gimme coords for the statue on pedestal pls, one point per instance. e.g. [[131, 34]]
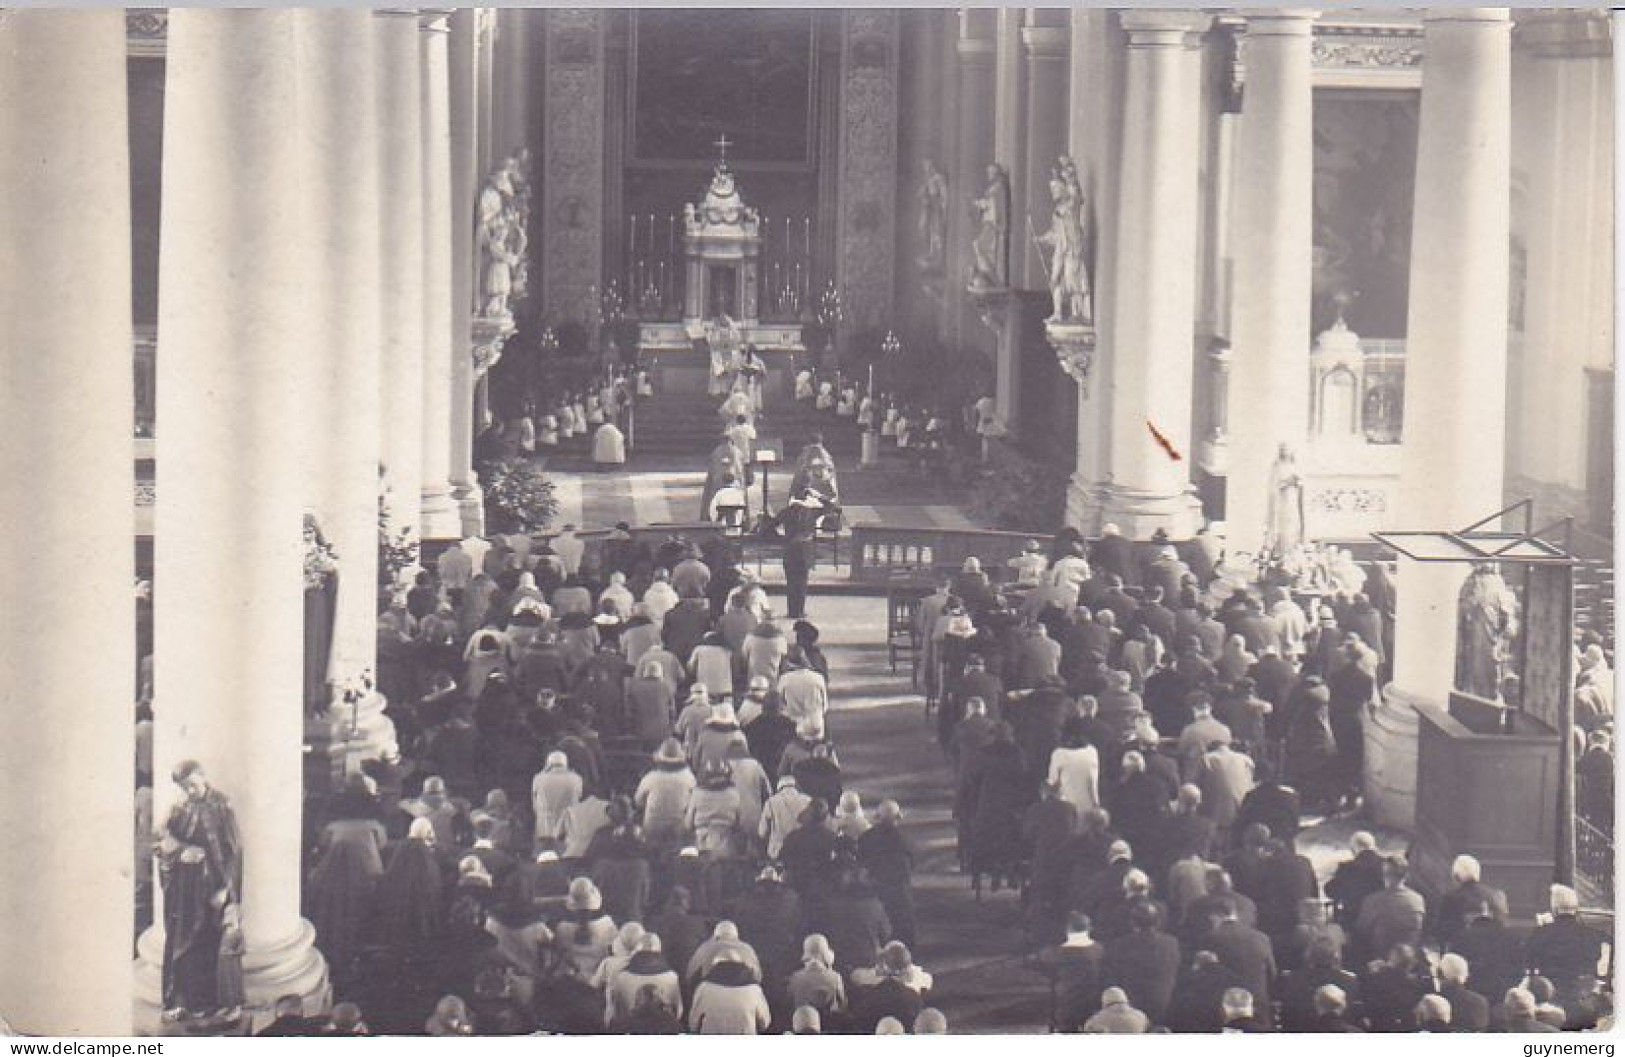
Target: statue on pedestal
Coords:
[[991, 247], [1068, 274], [1285, 532], [1486, 625], [932, 224], [201, 871]]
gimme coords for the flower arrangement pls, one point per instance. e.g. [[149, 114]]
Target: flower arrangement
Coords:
[[397, 546], [518, 496], [321, 561]]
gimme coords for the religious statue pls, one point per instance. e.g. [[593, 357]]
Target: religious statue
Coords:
[[932, 225], [1486, 625], [201, 872], [503, 212], [1068, 273], [1285, 532], [991, 247]]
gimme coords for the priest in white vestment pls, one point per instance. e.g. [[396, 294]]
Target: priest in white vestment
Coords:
[[609, 445]]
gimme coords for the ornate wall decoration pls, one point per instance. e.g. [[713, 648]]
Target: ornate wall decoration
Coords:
[[1367, 47], [1347, 500], [573, 182], [867, 212]]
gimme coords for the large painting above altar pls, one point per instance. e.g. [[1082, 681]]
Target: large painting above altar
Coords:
[[700, 72]]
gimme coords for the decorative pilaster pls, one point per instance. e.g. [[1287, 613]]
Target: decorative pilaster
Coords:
[[241, 268], [1451, 464], [66, 898], [573, 153], [867, 206], [1151, 323], [1271, 238]]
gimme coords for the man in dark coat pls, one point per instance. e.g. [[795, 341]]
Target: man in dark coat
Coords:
[[1155, 616], [1259, 630], [1145, 964], [852, 918], [1301, 1008], [1355, 879], [685, 626], [1074, 968], [769, 917], [1493, 952], [1248, 953], [767, 735], [1197, 1005], [1567, 952], [1283, 888], [1048, 828], [1469, 1010], [1113, 554], [884, 853], [1462, 902], [1272, 805]]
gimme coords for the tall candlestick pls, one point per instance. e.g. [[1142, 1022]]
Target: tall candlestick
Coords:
[[806, 237]]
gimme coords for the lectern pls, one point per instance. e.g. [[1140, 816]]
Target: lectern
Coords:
[[1496, 779]]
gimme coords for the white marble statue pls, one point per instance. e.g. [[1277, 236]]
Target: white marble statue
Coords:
[[1068, 273]]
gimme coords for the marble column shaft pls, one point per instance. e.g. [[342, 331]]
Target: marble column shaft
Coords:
[[1153, 311], [440, 518], [464, 157], [238, 276], [67, 633], [400, 200], [973, 152], [1272, 229], [344, 98], [1451, 468], [1010, 132]]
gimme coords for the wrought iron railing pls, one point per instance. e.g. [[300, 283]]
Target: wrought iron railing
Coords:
[[1594, 863]]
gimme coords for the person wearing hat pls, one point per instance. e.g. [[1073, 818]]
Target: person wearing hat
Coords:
[[1030, 565], [723, 944], [645, 970], [764, 649], [750, 708], [769, 732], [769, 916], [711, 665], [713, 813], [803, 692], [781, 815], [816, 986], [553, 791], [663, 794], [808, 851], [716, 738], [585, 935], [750, 778], [729, 1001]]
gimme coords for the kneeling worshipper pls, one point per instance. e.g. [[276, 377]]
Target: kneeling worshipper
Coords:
[[609, 445]]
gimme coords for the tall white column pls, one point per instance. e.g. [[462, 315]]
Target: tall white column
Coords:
[[511, 104], [973, 151], [1271, 229], [400, 205], [439, 512], [1455, 365], [342, 49], [464, 155], [239, 347], [1152, 318], [67, 398], [1010, 131]]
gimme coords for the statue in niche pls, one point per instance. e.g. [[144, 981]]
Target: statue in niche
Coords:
[[1284, 532], [503, 216], [991, 248], [1486, 625], [931, 227], [200, 868], [1068, 273]]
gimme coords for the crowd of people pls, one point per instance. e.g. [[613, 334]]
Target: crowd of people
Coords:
[[1136, 742], [616, 807]]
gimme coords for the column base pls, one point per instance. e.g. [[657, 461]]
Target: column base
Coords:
[[366, 734], [441, 519], [471, 509], [1140, 514], [1083, 505], [1391, 733], [292, 966]]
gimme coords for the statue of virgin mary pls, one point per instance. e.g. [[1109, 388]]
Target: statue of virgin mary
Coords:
[[1285, 531]]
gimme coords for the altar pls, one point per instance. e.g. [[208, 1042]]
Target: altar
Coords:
[[722, 246]]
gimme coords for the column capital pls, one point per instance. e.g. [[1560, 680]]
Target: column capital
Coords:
[[1047, 41], [974, 49], [435, 19], [1162, 28], [1282, 22], [1563, 34]]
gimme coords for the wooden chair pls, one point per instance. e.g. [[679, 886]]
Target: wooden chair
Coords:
[[901, 640]]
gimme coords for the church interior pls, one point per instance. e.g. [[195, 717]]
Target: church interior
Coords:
[[1050, 432]]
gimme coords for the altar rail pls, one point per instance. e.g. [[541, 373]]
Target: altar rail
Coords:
[[880, 553]]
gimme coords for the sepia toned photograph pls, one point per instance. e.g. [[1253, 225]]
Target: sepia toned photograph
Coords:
[[806, 520]]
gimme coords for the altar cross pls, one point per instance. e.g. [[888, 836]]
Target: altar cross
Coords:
[[722, 144]]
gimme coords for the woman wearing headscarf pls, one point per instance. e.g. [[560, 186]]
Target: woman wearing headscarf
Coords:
[[850, 820], [1235, 660], [1311, 750], [993, 798], [620, 868], [816, 984], [450, 1017], [553, 792], [411, 894], [729, 1001], [520, 936], [713, 814]]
